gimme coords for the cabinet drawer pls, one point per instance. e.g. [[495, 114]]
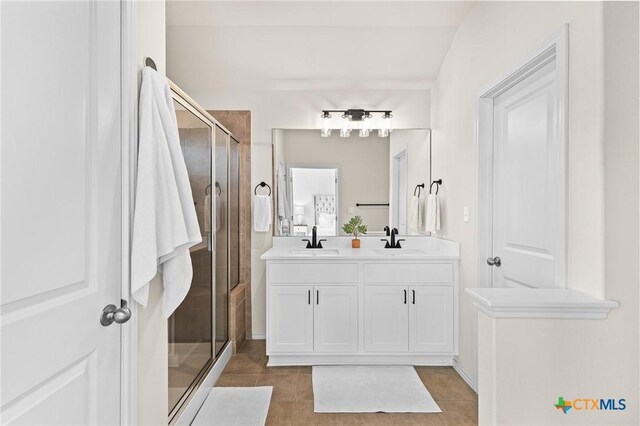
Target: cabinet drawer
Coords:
[[408, 273], [311, 273]]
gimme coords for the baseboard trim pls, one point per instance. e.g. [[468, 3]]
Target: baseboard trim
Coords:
[[363, 359], [472, 383], [258, 336], [193, 406]]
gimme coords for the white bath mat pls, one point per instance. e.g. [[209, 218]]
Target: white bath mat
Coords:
[[235, 406], [370, 389]]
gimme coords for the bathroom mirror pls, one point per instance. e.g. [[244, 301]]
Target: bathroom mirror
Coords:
[[323, 182]]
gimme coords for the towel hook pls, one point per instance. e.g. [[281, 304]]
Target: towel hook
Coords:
[[437, 183], [150, 63], [418, 188], [261, 184]]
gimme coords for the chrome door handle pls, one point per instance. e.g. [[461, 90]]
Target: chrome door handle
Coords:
[[494, 261], [111, 314]]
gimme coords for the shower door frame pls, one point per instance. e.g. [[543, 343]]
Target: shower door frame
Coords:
[[179, 96]]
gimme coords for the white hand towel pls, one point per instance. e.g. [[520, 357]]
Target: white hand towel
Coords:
[[262, 213], [220, 209], [416, 214], [165, 224], [207, 213], [432, 223]]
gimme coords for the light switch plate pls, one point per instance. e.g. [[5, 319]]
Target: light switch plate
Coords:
[[466, 214]]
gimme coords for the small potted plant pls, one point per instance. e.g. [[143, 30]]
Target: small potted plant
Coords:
[[355, 227]]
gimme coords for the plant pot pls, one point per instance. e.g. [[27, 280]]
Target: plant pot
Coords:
[[355, 243]]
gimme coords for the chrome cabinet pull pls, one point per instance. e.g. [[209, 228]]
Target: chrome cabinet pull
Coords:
[[111, 314], [494, 261]]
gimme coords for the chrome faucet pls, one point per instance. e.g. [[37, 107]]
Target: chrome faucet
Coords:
[[394, 243], [314, 243]]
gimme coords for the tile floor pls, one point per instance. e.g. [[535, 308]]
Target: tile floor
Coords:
[[292, 398]]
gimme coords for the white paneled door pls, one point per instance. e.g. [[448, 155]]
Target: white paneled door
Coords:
[[335, 318], [386, 325], [61, 205], [290, 319], [528, 177]]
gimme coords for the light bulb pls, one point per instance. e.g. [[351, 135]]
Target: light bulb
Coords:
[[325, 129], [364, 127], [345, 132], [385, 127]]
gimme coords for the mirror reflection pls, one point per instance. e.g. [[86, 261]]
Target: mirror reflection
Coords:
[[325, 181]]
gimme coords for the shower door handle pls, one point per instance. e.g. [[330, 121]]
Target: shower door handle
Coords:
[[111, 314]]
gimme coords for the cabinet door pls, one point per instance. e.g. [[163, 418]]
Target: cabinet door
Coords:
[[431, 319], [386, 326], [335, 321], [290, 327]]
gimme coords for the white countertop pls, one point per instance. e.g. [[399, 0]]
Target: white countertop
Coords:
[[539, 303], [339, 248]]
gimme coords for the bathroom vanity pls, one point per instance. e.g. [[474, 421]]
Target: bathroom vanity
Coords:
[[372, 305]]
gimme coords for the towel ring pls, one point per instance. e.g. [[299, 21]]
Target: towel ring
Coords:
[[262, 185], [418, 188], [208, 189], [437, 183]]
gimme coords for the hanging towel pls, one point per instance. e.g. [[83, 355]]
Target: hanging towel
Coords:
[[432, 223], [207, 213], [165, 224], [220, 209], [261, 213], [416, 214]]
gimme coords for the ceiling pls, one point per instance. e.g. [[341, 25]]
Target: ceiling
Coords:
[[310, 45]]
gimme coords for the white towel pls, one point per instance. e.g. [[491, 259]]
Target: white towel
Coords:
[[220, 209], [416, 214], [165, 224], [432, 223], [261, 213], [207, 213]]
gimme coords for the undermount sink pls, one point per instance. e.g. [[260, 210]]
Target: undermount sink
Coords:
[[314, 252], [399, 252]]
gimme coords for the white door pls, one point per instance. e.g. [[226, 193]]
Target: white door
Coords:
[[386, 324], [431, 319], [290, 319], [335, 319], [61, 212], [528, 224]]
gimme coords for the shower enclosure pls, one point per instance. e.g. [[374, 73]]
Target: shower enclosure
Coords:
[[198, 329]]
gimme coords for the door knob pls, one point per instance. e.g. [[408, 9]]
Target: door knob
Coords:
[[494, 261], [111, 314]]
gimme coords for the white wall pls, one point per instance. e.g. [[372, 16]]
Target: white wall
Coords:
[[601, 356], [152, 326], [292, 109]]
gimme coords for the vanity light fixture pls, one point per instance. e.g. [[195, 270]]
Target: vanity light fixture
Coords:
[[356, 118]]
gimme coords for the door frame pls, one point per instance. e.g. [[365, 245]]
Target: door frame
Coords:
[[397, 158], [289, 178], [556, 49], [129, 149]]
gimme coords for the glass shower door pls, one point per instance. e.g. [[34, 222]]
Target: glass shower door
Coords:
[[221, 254], [190, 327]]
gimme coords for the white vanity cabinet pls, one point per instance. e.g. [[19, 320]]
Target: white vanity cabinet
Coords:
[[359, 307], [415, 319]]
